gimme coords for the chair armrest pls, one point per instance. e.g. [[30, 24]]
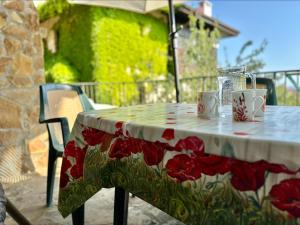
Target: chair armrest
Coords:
[[64, 126]]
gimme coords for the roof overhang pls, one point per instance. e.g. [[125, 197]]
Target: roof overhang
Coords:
[[140, 6], [211, 22]]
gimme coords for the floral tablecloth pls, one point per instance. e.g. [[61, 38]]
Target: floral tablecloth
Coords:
[[199, 171]]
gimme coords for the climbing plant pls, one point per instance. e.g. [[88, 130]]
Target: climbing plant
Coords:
[[109, 45]]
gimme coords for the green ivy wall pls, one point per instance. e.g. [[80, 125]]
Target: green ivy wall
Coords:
[[106, 45]]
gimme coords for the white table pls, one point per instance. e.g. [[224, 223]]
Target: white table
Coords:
[[275, 138]]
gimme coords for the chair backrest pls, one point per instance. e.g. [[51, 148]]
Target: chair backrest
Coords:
[[266, 83], [61, 100]]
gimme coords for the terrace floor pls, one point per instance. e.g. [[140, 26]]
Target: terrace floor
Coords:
[[29, 197]]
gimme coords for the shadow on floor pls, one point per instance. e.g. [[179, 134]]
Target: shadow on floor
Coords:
[[30, 198]]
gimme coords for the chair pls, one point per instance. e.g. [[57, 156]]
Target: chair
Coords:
[[59, 106], [265, 83]]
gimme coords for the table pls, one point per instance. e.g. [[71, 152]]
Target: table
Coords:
[[199, 171]]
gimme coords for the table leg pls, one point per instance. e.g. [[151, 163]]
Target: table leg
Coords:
[[121, 206], [78, 216]]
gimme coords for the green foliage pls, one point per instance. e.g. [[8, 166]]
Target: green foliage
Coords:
[[52, 8], [58, 70], [287, 96], [199, 55], [250, 59], [127, 47], [74, 40], [111, 45]]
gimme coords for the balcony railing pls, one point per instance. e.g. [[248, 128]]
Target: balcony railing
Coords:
[[130, 93]]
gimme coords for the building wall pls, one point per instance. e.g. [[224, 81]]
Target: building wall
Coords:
[[21, 71]]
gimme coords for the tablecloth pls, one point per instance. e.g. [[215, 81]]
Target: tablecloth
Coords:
[[199, 171]]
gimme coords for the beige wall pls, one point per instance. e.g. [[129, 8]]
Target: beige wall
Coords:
[[21, 71]]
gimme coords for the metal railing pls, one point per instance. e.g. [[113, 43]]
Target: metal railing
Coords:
[[287, 83], [152, 91]]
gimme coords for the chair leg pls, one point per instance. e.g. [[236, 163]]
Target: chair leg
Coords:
[[78, 216], [121, 206], [51, 176]]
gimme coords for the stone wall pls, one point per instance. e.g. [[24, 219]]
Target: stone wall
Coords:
[[21, 71]]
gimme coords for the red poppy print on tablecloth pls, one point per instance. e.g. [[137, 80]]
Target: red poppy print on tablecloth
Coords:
[[119, 149], [64, 178], [70, 149], [213, 164], [241, 133], [286, 196], [77, 155], [192, 143], [247, 176], [183, 167], [107, 139], [153, 152], [118, 126], [276, 168], [135, 145], [77, 169], [251, 176], [168, 134], [93, 136]]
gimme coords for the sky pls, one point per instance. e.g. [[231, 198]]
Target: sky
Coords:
[[276, 21]]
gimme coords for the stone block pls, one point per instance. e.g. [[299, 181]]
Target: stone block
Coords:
[[36, 129], [17, 31], [20, 96], [10, 114], [33, 21], [31, 5], [37, 41], [14, 5], [28, 50], [38, 143], [39, 78], [2, 20], [12, 46], [16, 18], [11, 137], [22, 65], [20, 81], [4, 63], [38, 62], [3, 82], [33, 115]]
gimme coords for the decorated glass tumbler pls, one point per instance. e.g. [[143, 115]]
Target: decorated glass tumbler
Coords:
[[245, 104], [208, 104]]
